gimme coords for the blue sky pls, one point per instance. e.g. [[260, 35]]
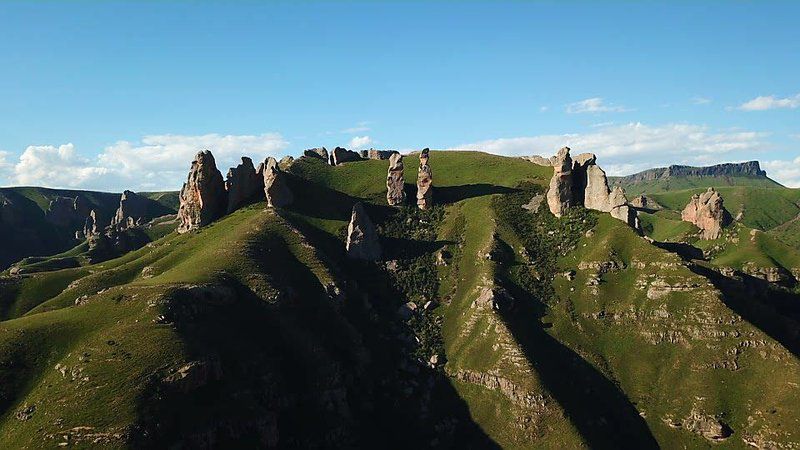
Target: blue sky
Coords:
[[113, 95]]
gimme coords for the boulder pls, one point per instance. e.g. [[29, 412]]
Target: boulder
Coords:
[[318, 152], [706, 211], [243, 185], [379, 154], [559, 196], [276, 187], [395, 193], [203, 198], [362, 238], [341, 155], [131, 212], [424, 181]]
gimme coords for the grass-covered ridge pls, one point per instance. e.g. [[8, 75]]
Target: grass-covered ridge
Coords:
[[258, 330]]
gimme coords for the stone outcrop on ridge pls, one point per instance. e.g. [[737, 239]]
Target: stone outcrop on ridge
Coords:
[[395, 192], [706, 211], [424, 181], [276, 188], [203, 198], [362, 238], [243, 185]]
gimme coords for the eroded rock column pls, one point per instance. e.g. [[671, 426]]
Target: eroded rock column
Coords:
[[395, 192], [424, 181], [203, 198]]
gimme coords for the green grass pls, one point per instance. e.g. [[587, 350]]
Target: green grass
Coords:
[[311, 339], [684, 183]]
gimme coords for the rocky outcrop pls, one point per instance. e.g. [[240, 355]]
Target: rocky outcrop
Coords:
[[91, 227], [581, 181], [645, 202], [276, 187], [203, 197], [362, 239], [131, 212], [318, 152], [424, 181], [243, 185], [707, 212], [341, 155], [559, 196], [286, 162], [395, 192], [378, 154]]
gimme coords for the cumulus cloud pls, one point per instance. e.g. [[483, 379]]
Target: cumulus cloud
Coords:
[[157, 162], [763, 103], [634, 146], [55, 166], [360, 142], [593, 105], [786, 172]]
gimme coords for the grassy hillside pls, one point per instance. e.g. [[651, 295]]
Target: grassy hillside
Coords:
[[760, 208], [483, 326]]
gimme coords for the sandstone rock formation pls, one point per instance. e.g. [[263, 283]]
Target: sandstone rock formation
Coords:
[[243, 185], [91, 227], [362, 239], [707, 212], [131, 212], [379, 154], [203, 197], [424, 181], [395, 193], [559, 196], [341, 155], [276, 188], [582, 182], [286, 162], [318, 152]]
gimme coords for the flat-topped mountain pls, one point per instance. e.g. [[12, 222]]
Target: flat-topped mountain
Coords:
[[684, 177]]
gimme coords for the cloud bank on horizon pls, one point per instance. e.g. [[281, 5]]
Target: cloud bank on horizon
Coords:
[[160, 162]]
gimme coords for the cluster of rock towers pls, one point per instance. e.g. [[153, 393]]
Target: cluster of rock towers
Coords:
[[395, 189]]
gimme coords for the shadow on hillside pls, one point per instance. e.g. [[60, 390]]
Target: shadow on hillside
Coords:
[[687, 252], [775, 311], [595, 405], [307, 366], [399, 248], [314, 200], [453, 194]]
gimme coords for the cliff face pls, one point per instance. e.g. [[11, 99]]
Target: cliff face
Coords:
[[750, 169]]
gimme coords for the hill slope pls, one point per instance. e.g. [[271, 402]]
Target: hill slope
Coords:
[[484, 325]]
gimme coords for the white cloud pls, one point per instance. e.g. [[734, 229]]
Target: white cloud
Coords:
[[6, 167], [786, 172], [763, 103], [629, 147], [360, 142], [55, 166], [593, 105], [360, 127], [701, 100], [157, 162]]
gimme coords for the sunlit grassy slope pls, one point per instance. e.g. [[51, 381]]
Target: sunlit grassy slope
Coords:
[[550, 333]]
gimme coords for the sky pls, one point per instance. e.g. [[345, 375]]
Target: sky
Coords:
[[112, 96]]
